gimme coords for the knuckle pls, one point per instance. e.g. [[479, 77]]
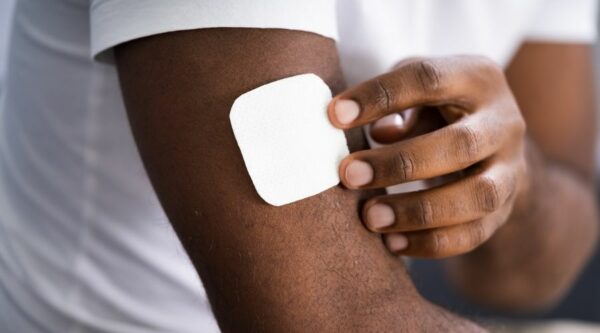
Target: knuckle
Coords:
[[428, 75], [482, 70], [489, 67], [488, 194], [435, 246], [383, 95], [515, 121], [520, 127], [401, 166], [424, 214], [469, 144], [478, 235]]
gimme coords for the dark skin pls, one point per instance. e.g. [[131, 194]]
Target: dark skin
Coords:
[[524, 200], [550, 235], [307, 266]]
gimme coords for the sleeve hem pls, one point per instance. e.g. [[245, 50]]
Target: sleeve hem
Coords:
[[114, 22], [565, 21]]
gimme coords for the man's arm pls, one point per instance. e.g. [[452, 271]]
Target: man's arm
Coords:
[[307, 266], [535, 257]]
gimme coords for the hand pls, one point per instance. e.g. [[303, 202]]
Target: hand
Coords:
[[482, 146]]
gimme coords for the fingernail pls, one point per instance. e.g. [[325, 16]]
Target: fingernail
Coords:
[[393, 120], [346, 111], [380, 216], [358, 173], [396, 242]]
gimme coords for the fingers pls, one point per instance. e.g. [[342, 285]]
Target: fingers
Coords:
[[442, 152], [447, 241], [414, 83], [467, 199], [450, 220]]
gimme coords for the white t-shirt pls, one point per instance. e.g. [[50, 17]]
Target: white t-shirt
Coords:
[[5, 15], [84, 243]]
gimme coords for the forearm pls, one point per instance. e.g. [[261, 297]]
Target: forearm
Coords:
[[533, 260]]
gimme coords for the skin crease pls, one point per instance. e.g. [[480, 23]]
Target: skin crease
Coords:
[[528, 197], [309, 266]]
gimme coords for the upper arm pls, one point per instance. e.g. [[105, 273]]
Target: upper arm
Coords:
[[306, 264], [554, 86]]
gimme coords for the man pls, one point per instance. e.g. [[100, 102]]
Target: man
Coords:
[[85, 246]]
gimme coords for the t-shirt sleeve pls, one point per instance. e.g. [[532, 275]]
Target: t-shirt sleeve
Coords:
[[117, 21], [568, 21]]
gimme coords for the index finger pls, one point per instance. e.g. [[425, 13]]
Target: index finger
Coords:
[[415, 83]]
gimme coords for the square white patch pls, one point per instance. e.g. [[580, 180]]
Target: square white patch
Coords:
[[289, 146]]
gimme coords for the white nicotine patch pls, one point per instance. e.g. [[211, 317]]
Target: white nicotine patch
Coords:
[[290, 148]]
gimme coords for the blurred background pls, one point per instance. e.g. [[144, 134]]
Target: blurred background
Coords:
[[582, 303]]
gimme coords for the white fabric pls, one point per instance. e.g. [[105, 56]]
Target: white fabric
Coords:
[[115, 21], [561, 20], [6, 7], [375, 34], [84, 244], [282, 128]]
